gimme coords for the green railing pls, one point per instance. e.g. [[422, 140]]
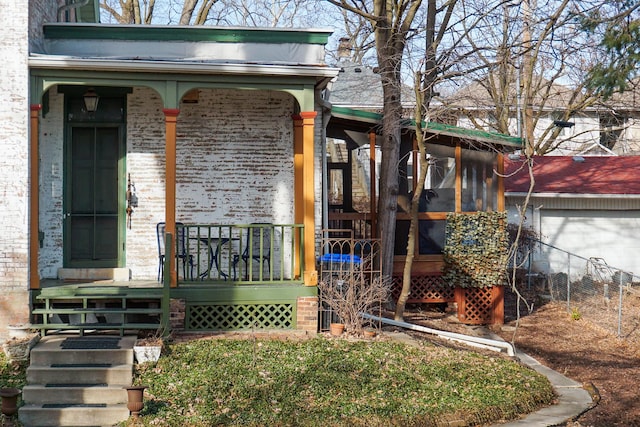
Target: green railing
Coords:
[[240, 253]]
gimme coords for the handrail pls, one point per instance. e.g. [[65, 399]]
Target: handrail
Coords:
[[244, 253], [166, 291]]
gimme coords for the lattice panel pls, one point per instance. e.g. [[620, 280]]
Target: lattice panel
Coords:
[[424, 289], [240, 317], [477, 306]]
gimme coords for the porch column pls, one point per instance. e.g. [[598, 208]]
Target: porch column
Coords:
[[170, 120], [305, 189], [372, 184], [500, 170], [34, 197]]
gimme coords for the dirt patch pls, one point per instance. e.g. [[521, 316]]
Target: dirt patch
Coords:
[[608, 366]]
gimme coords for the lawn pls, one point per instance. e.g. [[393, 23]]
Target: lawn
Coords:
[[333, 382]]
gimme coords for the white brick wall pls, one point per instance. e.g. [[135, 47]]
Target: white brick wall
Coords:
[[235, 165], [14, 165]]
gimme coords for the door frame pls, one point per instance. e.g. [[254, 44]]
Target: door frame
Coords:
[[95, 122]]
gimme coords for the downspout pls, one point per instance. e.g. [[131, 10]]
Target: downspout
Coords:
[[326, 116], [63, 9], [485, 343]]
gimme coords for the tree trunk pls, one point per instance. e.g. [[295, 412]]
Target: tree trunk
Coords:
[[389, 187]]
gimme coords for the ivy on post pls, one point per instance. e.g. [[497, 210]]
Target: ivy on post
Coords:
[[475, 265]]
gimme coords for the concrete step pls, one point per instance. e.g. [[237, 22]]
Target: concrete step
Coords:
[[67, 394], [78, 381], [76, 415], [58, 349], [85, 374]]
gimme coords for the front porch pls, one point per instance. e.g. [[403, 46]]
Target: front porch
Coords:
[[232, 277]]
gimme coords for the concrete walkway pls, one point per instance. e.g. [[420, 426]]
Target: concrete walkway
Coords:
[[572, 400]]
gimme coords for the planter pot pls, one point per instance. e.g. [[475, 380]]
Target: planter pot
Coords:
[[135, 399], [147, 353], [9, 401], [368, 333], [18, 331], [18, 349], [336, 329], [480, 306]]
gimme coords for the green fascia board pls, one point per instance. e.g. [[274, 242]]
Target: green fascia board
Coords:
[[185, 33], [493, 137], [243, 293]]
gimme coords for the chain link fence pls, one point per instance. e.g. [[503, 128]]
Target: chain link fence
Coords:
[[590, 288]]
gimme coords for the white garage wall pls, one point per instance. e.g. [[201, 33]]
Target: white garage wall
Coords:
[[611, 235], [586, 226]]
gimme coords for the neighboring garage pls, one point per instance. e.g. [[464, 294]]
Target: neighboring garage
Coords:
[[587, 206]]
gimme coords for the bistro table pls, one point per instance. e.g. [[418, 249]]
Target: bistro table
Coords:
[[215, 252]]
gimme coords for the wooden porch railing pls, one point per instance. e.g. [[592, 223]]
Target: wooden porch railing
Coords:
[[240, 253]]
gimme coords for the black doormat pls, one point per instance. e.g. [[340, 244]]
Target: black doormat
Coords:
[[81, 365], [90, 343], [74, 405]]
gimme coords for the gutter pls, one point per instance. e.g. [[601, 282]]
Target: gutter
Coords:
[[178, 66], [484, 343], [571, 195]]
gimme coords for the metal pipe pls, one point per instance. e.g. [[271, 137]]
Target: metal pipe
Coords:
[[63, 9], [486, 343]]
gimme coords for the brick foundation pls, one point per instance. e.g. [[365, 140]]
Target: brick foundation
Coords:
[[308, 314]]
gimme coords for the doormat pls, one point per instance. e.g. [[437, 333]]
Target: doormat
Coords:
[[74, 405], [82, 343]]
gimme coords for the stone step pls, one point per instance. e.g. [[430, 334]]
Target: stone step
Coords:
[[72, 415], [78, 381], [60, 349], [75, 393], [86, 374]]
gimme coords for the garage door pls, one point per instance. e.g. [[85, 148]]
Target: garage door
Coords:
[[611, 235]]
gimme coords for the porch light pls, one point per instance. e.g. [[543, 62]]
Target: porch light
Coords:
[[91, 100]]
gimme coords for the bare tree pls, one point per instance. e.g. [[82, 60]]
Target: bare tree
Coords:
[[537, 74]]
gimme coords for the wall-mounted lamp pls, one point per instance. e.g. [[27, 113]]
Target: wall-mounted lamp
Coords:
[[91, 99], [563, 124]]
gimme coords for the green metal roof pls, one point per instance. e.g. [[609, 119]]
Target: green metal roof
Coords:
[[197, 33], [435, 128]]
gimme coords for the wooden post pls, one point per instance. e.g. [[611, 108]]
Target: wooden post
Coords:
[[373, 206], [170, 120], [305, 122], [34, 198]]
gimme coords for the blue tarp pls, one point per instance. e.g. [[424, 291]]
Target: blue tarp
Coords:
[[354, 259]]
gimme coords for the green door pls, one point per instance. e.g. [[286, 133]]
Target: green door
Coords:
[[93, 217]]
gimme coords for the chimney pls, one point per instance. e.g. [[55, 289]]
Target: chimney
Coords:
[[344, 48]]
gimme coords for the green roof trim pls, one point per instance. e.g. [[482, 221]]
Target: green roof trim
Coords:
[[437, 128], [185, 33]]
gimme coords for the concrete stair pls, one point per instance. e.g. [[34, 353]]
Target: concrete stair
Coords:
[[78, 381]]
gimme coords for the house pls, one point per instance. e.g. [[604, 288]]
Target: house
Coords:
[[607, 128], [112, 130], [587, 206]]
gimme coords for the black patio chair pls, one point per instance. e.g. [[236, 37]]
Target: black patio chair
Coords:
[[257, 247], [181, 250]]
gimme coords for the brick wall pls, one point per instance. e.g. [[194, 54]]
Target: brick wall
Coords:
[[307, 312], [14, 166]]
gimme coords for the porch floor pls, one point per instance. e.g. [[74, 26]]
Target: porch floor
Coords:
[[57, 283]]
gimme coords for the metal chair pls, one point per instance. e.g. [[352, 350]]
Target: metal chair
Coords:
[[257, 247], [181, 250]]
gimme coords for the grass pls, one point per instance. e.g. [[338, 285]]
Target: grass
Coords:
[[326, 382], [333, 382]]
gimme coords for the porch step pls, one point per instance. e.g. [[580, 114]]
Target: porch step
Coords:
[[78, 381], [91, 307], [115, 274]]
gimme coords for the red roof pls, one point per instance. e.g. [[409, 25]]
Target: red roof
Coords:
[[566, 174]]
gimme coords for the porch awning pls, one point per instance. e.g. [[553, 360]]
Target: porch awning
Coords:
[[366, 121]]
